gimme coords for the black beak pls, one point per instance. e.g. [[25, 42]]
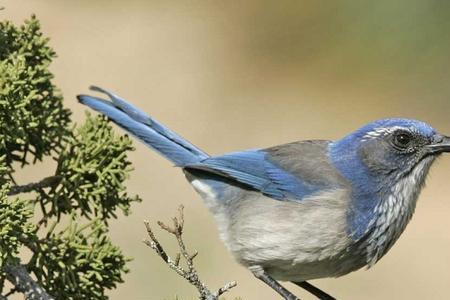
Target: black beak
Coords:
[[440, 144]]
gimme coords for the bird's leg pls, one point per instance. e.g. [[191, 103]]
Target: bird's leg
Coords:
[[259, 273], [314, 290]]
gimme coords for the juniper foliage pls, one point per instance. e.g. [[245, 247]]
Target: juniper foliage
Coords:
[[61, 220]]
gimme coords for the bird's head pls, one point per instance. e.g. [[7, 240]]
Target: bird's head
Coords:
[[389, 149]]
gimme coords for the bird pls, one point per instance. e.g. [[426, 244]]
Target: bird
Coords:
[[306, 209]]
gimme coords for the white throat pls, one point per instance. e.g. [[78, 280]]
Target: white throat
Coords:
[[394, 212]]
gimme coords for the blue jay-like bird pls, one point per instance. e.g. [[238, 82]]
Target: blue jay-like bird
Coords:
[[307, 209]]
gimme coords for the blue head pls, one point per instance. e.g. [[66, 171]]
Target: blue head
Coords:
[[383, 158]]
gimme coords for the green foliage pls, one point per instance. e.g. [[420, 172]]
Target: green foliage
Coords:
[[15, 225], [32, 117], [87, 187], [93, 167], [79, 262]]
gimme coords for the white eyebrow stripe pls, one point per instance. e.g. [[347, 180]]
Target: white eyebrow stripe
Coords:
[[379, 131]]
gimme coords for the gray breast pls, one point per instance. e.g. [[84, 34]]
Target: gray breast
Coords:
[[291, 240]]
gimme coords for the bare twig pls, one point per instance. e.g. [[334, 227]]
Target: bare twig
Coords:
[[19, 277], [190, 274], [26, 188], [224, 289]]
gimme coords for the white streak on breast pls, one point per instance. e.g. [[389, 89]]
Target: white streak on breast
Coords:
[[396, 210]]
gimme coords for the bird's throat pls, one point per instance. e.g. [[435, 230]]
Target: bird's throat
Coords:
[[394, 211]]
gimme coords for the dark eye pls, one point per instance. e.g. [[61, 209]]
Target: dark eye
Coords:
[[402, 139]]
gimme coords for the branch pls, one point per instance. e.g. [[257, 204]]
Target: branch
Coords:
[[19, 277], [190, 274], [13, 290], [26, 188]]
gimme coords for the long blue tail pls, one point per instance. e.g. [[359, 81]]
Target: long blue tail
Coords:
[[149, 131]]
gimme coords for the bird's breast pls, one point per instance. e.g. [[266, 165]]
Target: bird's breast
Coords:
[[292, 240]]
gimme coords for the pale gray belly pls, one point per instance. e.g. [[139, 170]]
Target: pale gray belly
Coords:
[[291, 240]]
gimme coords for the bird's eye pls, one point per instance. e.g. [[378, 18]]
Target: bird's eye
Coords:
[[402, 140]]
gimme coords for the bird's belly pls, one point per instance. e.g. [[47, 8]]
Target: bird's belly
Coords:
[[291, 240]]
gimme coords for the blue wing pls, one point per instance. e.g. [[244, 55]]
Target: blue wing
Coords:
[[255, 169]]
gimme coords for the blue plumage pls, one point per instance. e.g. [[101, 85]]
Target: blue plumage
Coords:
[[254, 169], [148, 130], [307, 209]]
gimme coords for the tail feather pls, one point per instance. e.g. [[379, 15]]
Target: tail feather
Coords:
[[148, 130]]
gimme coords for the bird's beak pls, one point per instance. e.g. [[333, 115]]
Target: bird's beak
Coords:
[[441, 144]]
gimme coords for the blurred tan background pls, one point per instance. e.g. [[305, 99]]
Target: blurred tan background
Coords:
[[231, 75]]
